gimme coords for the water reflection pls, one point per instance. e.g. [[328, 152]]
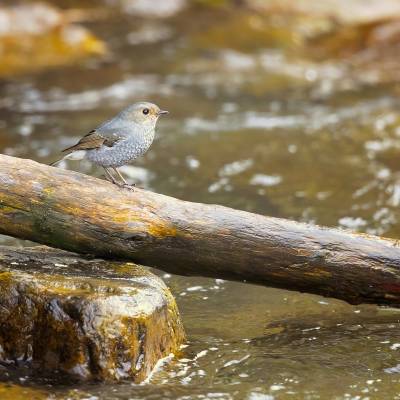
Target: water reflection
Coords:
[[263, 124]]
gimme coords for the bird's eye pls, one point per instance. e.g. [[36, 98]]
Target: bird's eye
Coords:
[[146, 111]]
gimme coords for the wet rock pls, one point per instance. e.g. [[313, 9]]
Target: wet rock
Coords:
[[38, 35], [18, 392], [34, 19], [89, 319]]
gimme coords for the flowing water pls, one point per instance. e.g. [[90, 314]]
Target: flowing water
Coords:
[[259, 121]]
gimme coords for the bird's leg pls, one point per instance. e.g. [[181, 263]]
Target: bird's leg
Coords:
[[120, 176], [126, 184], [109, 176]]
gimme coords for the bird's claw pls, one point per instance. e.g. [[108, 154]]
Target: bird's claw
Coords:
[[122, 185], [127, 186]]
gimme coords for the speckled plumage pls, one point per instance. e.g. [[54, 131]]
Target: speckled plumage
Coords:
[[119, 140], [123, 151]]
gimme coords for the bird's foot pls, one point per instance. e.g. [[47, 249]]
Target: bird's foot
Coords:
[[129, 187], [126, 186]]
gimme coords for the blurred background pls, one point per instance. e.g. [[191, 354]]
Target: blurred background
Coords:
[[283, 108]]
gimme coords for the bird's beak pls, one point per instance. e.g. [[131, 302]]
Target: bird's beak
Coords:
[[162, 112]]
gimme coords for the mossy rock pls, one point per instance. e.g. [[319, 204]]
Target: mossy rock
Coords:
[[36, 36], [89, 319], [18, 392]]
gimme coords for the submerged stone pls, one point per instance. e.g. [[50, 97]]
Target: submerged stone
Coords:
[[89, 319]]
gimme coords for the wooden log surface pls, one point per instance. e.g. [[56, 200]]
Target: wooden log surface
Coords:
[[80, 213]]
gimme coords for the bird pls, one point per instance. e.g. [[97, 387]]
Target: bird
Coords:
[[118, 141]]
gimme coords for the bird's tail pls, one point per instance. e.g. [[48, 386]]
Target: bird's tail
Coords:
[[76, 155], [53, 164]]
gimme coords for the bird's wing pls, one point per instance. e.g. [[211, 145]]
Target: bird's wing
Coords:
[[95, 139]]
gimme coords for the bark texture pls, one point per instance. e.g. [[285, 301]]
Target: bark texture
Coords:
[[83, 214]]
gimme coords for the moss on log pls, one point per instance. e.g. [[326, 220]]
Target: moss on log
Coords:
[[80, 213], [89, 319]]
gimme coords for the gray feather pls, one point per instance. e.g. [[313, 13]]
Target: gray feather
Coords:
[[121, 139]]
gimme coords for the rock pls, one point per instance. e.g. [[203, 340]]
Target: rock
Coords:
[[33, 19], [89, 319], [17, 392], [38, 35]]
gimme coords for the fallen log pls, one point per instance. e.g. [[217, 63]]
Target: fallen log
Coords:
[[80, 213]]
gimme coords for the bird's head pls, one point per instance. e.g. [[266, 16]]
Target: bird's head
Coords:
[[143, 113]]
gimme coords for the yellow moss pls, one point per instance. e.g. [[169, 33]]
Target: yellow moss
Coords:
[[48, 190], [124, 268], [274, 330], [70, 291], [12, 204], [16, 392], [318, 273], [130, 269], [156, 228], [161, 230], [6, 209], [75, 211], [5, 277], [60, 285]]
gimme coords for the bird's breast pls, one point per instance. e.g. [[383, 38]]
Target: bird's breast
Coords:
[[123, 151]]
